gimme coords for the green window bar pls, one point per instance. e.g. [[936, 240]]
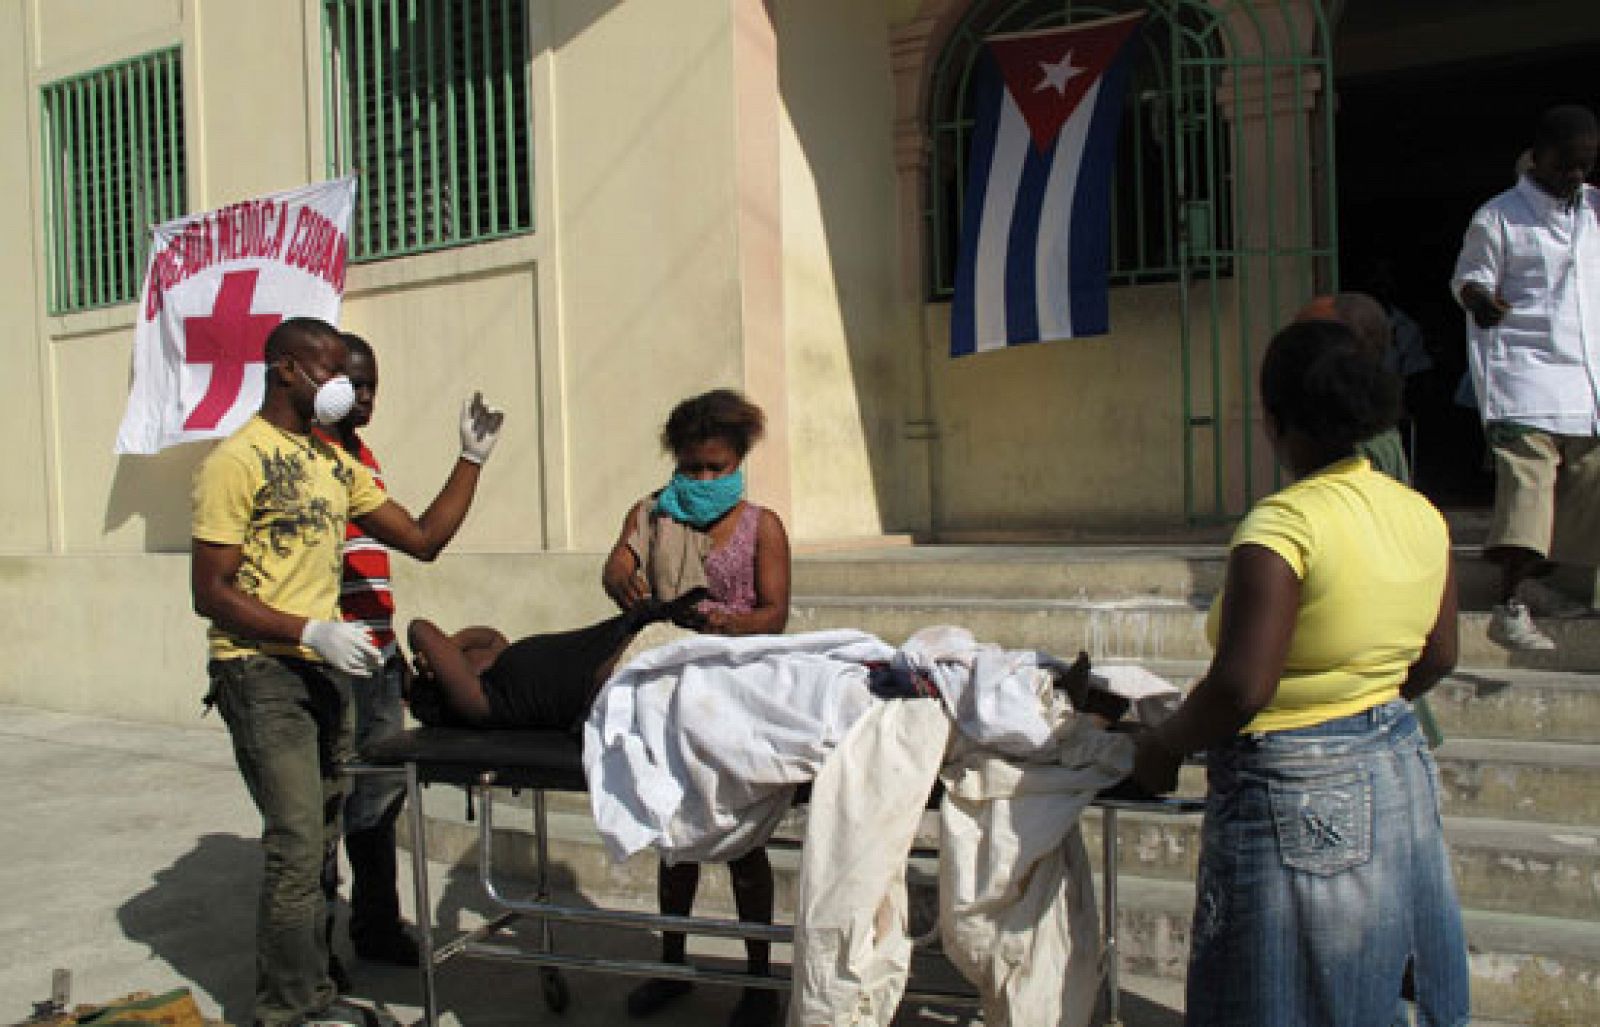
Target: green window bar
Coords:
[[1146, 211], [428, 101], [113, 166]]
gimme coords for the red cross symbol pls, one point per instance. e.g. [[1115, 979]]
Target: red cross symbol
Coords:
[[228, 339]]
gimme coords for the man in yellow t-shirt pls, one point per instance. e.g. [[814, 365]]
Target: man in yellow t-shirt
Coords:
[[270, 507]]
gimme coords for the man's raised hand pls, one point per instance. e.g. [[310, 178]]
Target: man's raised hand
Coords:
[[480, 428]]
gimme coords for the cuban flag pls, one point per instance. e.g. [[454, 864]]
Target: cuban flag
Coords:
[[1035, 227]]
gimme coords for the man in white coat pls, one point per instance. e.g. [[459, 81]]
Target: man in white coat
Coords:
[[1529, 277]]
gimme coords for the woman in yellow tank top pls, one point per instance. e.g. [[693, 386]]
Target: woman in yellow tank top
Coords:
[[1324, 888]]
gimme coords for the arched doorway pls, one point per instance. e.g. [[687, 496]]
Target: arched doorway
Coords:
[[1224, 218]]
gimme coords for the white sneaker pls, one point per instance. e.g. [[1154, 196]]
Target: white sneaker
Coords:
[[1548, 601], [1512, 626]]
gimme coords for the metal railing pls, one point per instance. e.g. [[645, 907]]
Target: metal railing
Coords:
[[113, 165], [429, 101]]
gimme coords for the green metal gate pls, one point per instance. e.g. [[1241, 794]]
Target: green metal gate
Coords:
[[1252, 81], [1224, 188]]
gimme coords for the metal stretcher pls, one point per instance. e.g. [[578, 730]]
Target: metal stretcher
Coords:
[[545, 761]]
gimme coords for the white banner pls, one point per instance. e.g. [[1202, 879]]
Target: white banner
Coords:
[[215, 285]]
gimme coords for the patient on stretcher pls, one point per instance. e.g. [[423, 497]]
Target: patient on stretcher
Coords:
[[476, 677]]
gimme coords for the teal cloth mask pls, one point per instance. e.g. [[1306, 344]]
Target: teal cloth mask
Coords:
[[700, 503]]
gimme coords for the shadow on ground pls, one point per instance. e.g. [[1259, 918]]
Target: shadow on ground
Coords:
[[199, 917]]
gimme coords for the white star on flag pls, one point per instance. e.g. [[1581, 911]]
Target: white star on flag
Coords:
[[1057, 75]]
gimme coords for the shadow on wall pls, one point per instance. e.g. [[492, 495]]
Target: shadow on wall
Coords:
[[156, 489]]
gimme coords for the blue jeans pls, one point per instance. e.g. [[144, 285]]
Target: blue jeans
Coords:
[[291, 723], [380, 713], [1323, 872], [370, 812]]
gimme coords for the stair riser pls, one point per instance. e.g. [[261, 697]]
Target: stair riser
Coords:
[[1129, 576], [1509, 791], [1551, 879], [1490, 707], [1110, 579], [1153, 921], [1482, 703], [1488, 877], [1151, 632], [1517, 987]]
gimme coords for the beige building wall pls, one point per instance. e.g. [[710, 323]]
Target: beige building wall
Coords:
[[25, 499], [646, 236], [721, 198], [625, 299], [850, 323], [1088, 433]]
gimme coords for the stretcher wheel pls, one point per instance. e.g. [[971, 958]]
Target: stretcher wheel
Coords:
[[554, 986]]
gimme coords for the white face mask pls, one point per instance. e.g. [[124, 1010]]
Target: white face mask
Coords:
[[335, 398]]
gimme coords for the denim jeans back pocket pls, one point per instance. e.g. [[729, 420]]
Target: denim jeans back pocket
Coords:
[[1324, 823]]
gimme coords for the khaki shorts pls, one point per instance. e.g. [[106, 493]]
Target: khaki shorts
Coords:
[[1546, 494]]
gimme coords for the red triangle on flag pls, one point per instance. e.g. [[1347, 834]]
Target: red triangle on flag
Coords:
[[1048, 72]]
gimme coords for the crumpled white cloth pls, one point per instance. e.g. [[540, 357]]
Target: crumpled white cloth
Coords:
[[851, 952], [695, 747], [991, 692], [1016, 896]]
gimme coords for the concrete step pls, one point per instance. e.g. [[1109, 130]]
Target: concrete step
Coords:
[[1500, 865], [1076, 572], [1511, 866], [1553, 782], [1039, 572], [1526, 968], [1525, 705], [1512, 704], [1538, 782], [1146, 628]]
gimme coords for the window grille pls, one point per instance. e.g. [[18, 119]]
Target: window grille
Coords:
[[1145, 195], [428, 100], [113, 166]]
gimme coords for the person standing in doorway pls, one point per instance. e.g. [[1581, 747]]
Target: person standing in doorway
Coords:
[[1529, 278]]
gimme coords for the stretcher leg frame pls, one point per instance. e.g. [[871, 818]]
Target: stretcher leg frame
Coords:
[[1110, 853], [419, 883], [481, 942], [1111, 850]]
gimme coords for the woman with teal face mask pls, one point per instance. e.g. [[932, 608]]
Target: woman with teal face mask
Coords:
[[700, 531]]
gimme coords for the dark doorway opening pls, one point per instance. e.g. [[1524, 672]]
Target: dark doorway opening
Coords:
[[1419, 151]]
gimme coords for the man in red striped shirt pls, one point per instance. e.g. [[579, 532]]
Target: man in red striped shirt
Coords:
[[376, 930]]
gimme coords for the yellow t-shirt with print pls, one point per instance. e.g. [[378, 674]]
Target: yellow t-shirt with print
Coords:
[[284, 500], [1371, 556]]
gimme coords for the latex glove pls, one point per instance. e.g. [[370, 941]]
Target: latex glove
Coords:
[[347, 647], [480, 428]]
